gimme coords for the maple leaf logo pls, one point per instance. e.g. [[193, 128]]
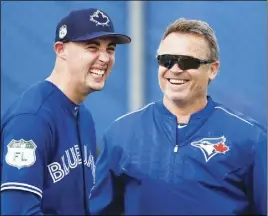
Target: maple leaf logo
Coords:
[[211, 146], [221, 148], [99, 18]]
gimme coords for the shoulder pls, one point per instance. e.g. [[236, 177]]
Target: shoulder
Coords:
[[29, 113], [27, 128], [130, 120], [147, 109], [32, 101], [235, 120], [26, 123]]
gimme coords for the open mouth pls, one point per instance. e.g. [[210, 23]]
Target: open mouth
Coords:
[[177, 81], [97, 72]]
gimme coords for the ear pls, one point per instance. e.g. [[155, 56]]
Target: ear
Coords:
[[214, 70], [60, 49]]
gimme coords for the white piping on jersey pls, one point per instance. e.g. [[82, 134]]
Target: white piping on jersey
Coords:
[[20, 188], [15, 185], [21, 184], [218, 107], [135, 111]]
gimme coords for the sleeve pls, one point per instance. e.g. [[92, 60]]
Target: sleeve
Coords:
[[24, 157], [107, 193], [12, 204], [259, 177], [256, 180]]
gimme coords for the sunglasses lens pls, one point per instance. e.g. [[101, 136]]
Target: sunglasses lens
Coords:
[[187, 63], [184, 62], [166, 61]]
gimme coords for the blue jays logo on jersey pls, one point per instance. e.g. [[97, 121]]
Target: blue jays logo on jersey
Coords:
[[211, 146]]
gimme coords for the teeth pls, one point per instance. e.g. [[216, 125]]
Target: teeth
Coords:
[[97, 72], [176, 81]]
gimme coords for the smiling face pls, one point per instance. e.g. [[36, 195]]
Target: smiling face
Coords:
[[90, 63], [185, 86]]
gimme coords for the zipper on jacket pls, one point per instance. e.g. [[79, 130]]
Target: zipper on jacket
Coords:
[[172, 162]]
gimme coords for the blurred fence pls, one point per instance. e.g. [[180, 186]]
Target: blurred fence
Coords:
[[27, 54]]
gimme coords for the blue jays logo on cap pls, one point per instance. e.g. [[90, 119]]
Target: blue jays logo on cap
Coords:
[[100, 18], [88, 24], [211, 146]]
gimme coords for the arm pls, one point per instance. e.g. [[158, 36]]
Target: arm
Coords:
[[256, 180], [107, 195], [23, 161], [259, 177], [18, 202]]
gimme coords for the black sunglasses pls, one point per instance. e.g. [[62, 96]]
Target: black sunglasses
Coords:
[[184, 62]]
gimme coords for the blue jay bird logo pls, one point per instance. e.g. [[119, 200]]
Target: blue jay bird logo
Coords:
[[99, 18], [211, 146]]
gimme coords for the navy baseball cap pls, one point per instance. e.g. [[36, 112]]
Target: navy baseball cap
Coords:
[[88, 24]]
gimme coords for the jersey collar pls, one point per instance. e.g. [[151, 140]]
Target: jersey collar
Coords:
[[64, 100]]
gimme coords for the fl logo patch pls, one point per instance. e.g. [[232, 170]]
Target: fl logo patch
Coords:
[[21, 153], [211, 146]]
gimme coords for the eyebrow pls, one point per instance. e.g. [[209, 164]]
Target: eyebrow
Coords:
[[98, 43]]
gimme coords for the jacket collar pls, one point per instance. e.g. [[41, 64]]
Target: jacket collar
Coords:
[[203, 113]]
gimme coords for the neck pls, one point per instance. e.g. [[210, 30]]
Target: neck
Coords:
[[67, 86], [184, 110]]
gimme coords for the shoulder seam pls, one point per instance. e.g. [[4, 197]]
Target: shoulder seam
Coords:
[[135, 111], [35, 114], [232, 114], [45, 100], [28, 113]]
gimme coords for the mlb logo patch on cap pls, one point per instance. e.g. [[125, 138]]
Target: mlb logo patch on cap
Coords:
[[62, 31]]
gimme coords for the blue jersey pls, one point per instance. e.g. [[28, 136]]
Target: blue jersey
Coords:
[[48, 148], [215, 164]]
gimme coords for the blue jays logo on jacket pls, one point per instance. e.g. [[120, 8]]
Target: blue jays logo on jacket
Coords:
[[211, 146], [155, 179]]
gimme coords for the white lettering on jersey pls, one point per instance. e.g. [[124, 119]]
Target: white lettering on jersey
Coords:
[[90, 163], [74, 163], [77, 152], [58, 170]]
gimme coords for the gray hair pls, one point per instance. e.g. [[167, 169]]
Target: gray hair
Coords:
[[196, 27]]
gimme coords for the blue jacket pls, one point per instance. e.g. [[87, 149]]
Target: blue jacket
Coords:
[[47, 154], [216, 164]]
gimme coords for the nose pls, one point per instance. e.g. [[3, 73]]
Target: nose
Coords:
[[176, 68], [104, 57]]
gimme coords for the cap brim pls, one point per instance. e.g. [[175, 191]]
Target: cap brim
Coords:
[[118, 38]]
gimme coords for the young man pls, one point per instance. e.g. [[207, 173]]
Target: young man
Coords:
[[186, 154], [48, 143]]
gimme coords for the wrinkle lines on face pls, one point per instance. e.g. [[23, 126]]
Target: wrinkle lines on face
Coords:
[[90, 63], [190, 84]]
